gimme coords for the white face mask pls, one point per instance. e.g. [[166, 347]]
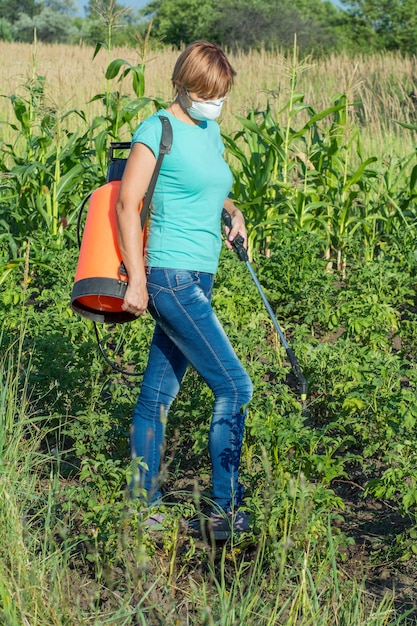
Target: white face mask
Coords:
[[205, 110]]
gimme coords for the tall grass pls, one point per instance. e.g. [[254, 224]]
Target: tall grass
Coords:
[[383, 85], [26, 559]]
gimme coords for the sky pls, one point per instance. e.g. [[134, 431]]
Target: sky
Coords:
[[134, 4]]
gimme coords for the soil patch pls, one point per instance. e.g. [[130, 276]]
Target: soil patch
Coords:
[[376, 528]]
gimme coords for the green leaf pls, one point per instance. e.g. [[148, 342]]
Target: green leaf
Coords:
[[405, 125], [68, 178], [114, 68], [138, 81], [99, 46], [413, 178], [358, 173]]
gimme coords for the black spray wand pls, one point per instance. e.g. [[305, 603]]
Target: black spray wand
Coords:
[[242, 254]]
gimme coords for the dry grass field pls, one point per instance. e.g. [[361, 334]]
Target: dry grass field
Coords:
[[385, 85]]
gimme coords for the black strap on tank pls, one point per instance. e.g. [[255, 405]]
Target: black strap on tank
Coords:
[[164, 148]]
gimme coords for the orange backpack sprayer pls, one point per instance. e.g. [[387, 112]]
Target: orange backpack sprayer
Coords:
[[101, 278]]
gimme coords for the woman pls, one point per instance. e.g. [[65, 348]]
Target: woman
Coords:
[[175, 279]]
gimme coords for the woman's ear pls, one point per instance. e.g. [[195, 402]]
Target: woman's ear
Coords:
[[184, 97]]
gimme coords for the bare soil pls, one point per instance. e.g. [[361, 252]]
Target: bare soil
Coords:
[[374, 556]]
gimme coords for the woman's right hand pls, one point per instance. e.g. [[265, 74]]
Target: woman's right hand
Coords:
[[135, 300]]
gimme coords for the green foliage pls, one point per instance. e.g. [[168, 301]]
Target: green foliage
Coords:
[[5, 30], [182, 21], [48, 167], [11, 10], [361, 414], [392, 25], [247, 24], [320, 27], [121, 110], [49, 25]]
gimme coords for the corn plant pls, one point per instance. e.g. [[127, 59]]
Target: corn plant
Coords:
[[122, 112], [42, 165], [316, 178], [300, 178], [45, 168], [393, 202], [49, 169]]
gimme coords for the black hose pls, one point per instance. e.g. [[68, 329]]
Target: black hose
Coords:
[[112, 364], [80, 213]]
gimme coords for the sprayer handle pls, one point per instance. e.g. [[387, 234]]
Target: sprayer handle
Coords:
[[237, 242]]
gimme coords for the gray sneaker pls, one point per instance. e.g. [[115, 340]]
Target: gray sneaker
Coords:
[[154, 522], [222, 527]]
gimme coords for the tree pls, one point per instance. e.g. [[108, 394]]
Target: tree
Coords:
[[391, 24], [12, 10], [247, 23], [5, 30], [56, 21], [50, 26], [64, 7], [182, 21]]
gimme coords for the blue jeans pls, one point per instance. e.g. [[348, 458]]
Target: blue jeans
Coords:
[[188, 331]]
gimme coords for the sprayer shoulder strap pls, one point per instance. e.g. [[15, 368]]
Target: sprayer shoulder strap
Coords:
[[164, 148]]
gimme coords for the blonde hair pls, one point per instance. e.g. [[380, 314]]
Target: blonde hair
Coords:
[[203, 69]]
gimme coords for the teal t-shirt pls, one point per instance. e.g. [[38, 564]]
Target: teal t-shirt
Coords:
[[194, 181]]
